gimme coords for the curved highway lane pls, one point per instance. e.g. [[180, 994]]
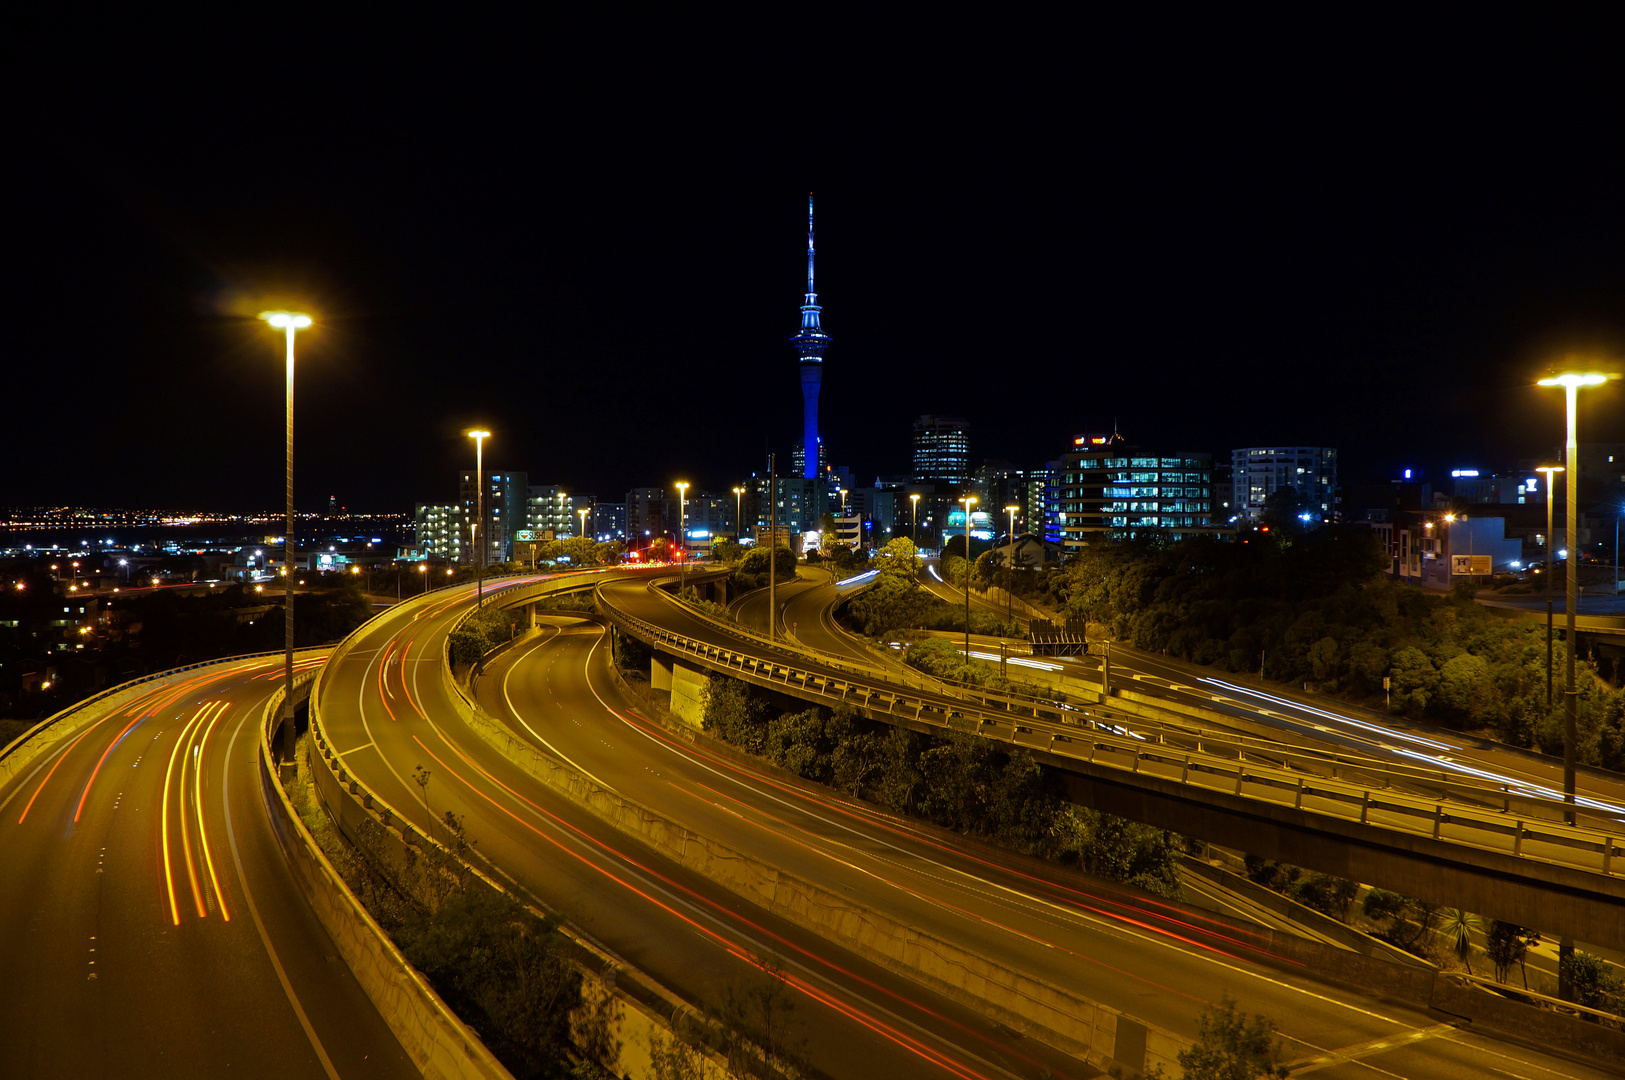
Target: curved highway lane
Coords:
[[152, 927], [384, 709]]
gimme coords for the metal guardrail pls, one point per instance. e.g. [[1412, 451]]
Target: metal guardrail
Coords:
[[986, 699], [1077, 737]]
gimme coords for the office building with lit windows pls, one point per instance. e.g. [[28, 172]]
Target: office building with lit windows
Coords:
[[1108, 489], [1258, 472], [942, 453]]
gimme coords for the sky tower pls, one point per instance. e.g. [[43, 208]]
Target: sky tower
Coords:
[[810, 344]]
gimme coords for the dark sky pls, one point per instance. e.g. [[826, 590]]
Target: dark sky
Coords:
[[1351, 232]]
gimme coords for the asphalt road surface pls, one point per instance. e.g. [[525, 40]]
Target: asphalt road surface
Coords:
[[152, 928]]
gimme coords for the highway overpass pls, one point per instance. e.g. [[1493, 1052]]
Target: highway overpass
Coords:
[[1447, 838]]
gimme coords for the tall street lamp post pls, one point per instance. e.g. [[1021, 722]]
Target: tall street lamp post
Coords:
[[584, 511], [1010, 567], [1571, 383], [682, 529], [969, 501], [479, 438], [739, 514], [290, 323], [1549, 470], [914, 533], [772, 543]]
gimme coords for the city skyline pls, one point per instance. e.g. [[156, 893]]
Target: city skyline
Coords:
[[1381, 261]]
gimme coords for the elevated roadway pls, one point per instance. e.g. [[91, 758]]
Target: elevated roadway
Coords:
[[152, 926], [1449, 836]]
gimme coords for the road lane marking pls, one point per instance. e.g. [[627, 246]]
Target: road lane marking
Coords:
[[63, 757], [1368, 1048], [253, 908]]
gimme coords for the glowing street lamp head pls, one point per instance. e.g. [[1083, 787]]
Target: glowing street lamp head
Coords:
[[286, 320], [681, 485], [478, 435], [1577, 378]]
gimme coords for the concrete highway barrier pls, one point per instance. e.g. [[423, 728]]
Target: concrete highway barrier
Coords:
[[438, 1042]]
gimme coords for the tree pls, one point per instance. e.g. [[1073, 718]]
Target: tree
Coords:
[[899, 558], [731, 711], [1507, 944], [1230, 1046], [1592, 981], [1458, 927]]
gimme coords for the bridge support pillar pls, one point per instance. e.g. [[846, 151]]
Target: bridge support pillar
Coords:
[[685, 684]]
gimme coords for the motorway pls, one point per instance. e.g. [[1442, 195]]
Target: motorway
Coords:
[[384, 710], [152, 926], [1153, 963], [1269, 711]]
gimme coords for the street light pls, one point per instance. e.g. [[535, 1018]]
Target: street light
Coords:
[[739, 514], [583, 511], [1010, 567], [1549, 470], [969, 501], [290, 323], [1571, 381], [423, 568], [914, 532], [479, 438], [682, 529]]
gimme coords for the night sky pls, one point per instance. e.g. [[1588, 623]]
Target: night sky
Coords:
[[589, 239]]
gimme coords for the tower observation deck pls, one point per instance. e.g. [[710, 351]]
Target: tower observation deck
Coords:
[[810, 343]]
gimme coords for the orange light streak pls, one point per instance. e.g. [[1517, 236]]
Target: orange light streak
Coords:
[[163, 831], [58, 765], [197, 804], [168, 700]]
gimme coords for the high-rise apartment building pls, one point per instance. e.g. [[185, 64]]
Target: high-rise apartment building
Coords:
[[942, 453], [1258, 472], [650, 514], [549, 512], [506, 510], [441, 531]]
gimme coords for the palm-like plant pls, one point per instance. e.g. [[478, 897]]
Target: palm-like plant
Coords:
[[1458, 928]]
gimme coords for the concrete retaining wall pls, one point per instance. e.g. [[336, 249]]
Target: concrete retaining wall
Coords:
[[439, 1044], [1068, 1021]]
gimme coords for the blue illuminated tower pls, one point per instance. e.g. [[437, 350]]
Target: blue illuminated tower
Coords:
[[810, 344]]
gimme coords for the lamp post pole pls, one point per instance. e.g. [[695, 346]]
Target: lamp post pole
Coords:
[[1549, 470], [969, 501], [739, 514], [682, 529], [772, 542], [1571, 383], [290, 323], [1009, 568], [583, 511], [914, 532], [479, 438]]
